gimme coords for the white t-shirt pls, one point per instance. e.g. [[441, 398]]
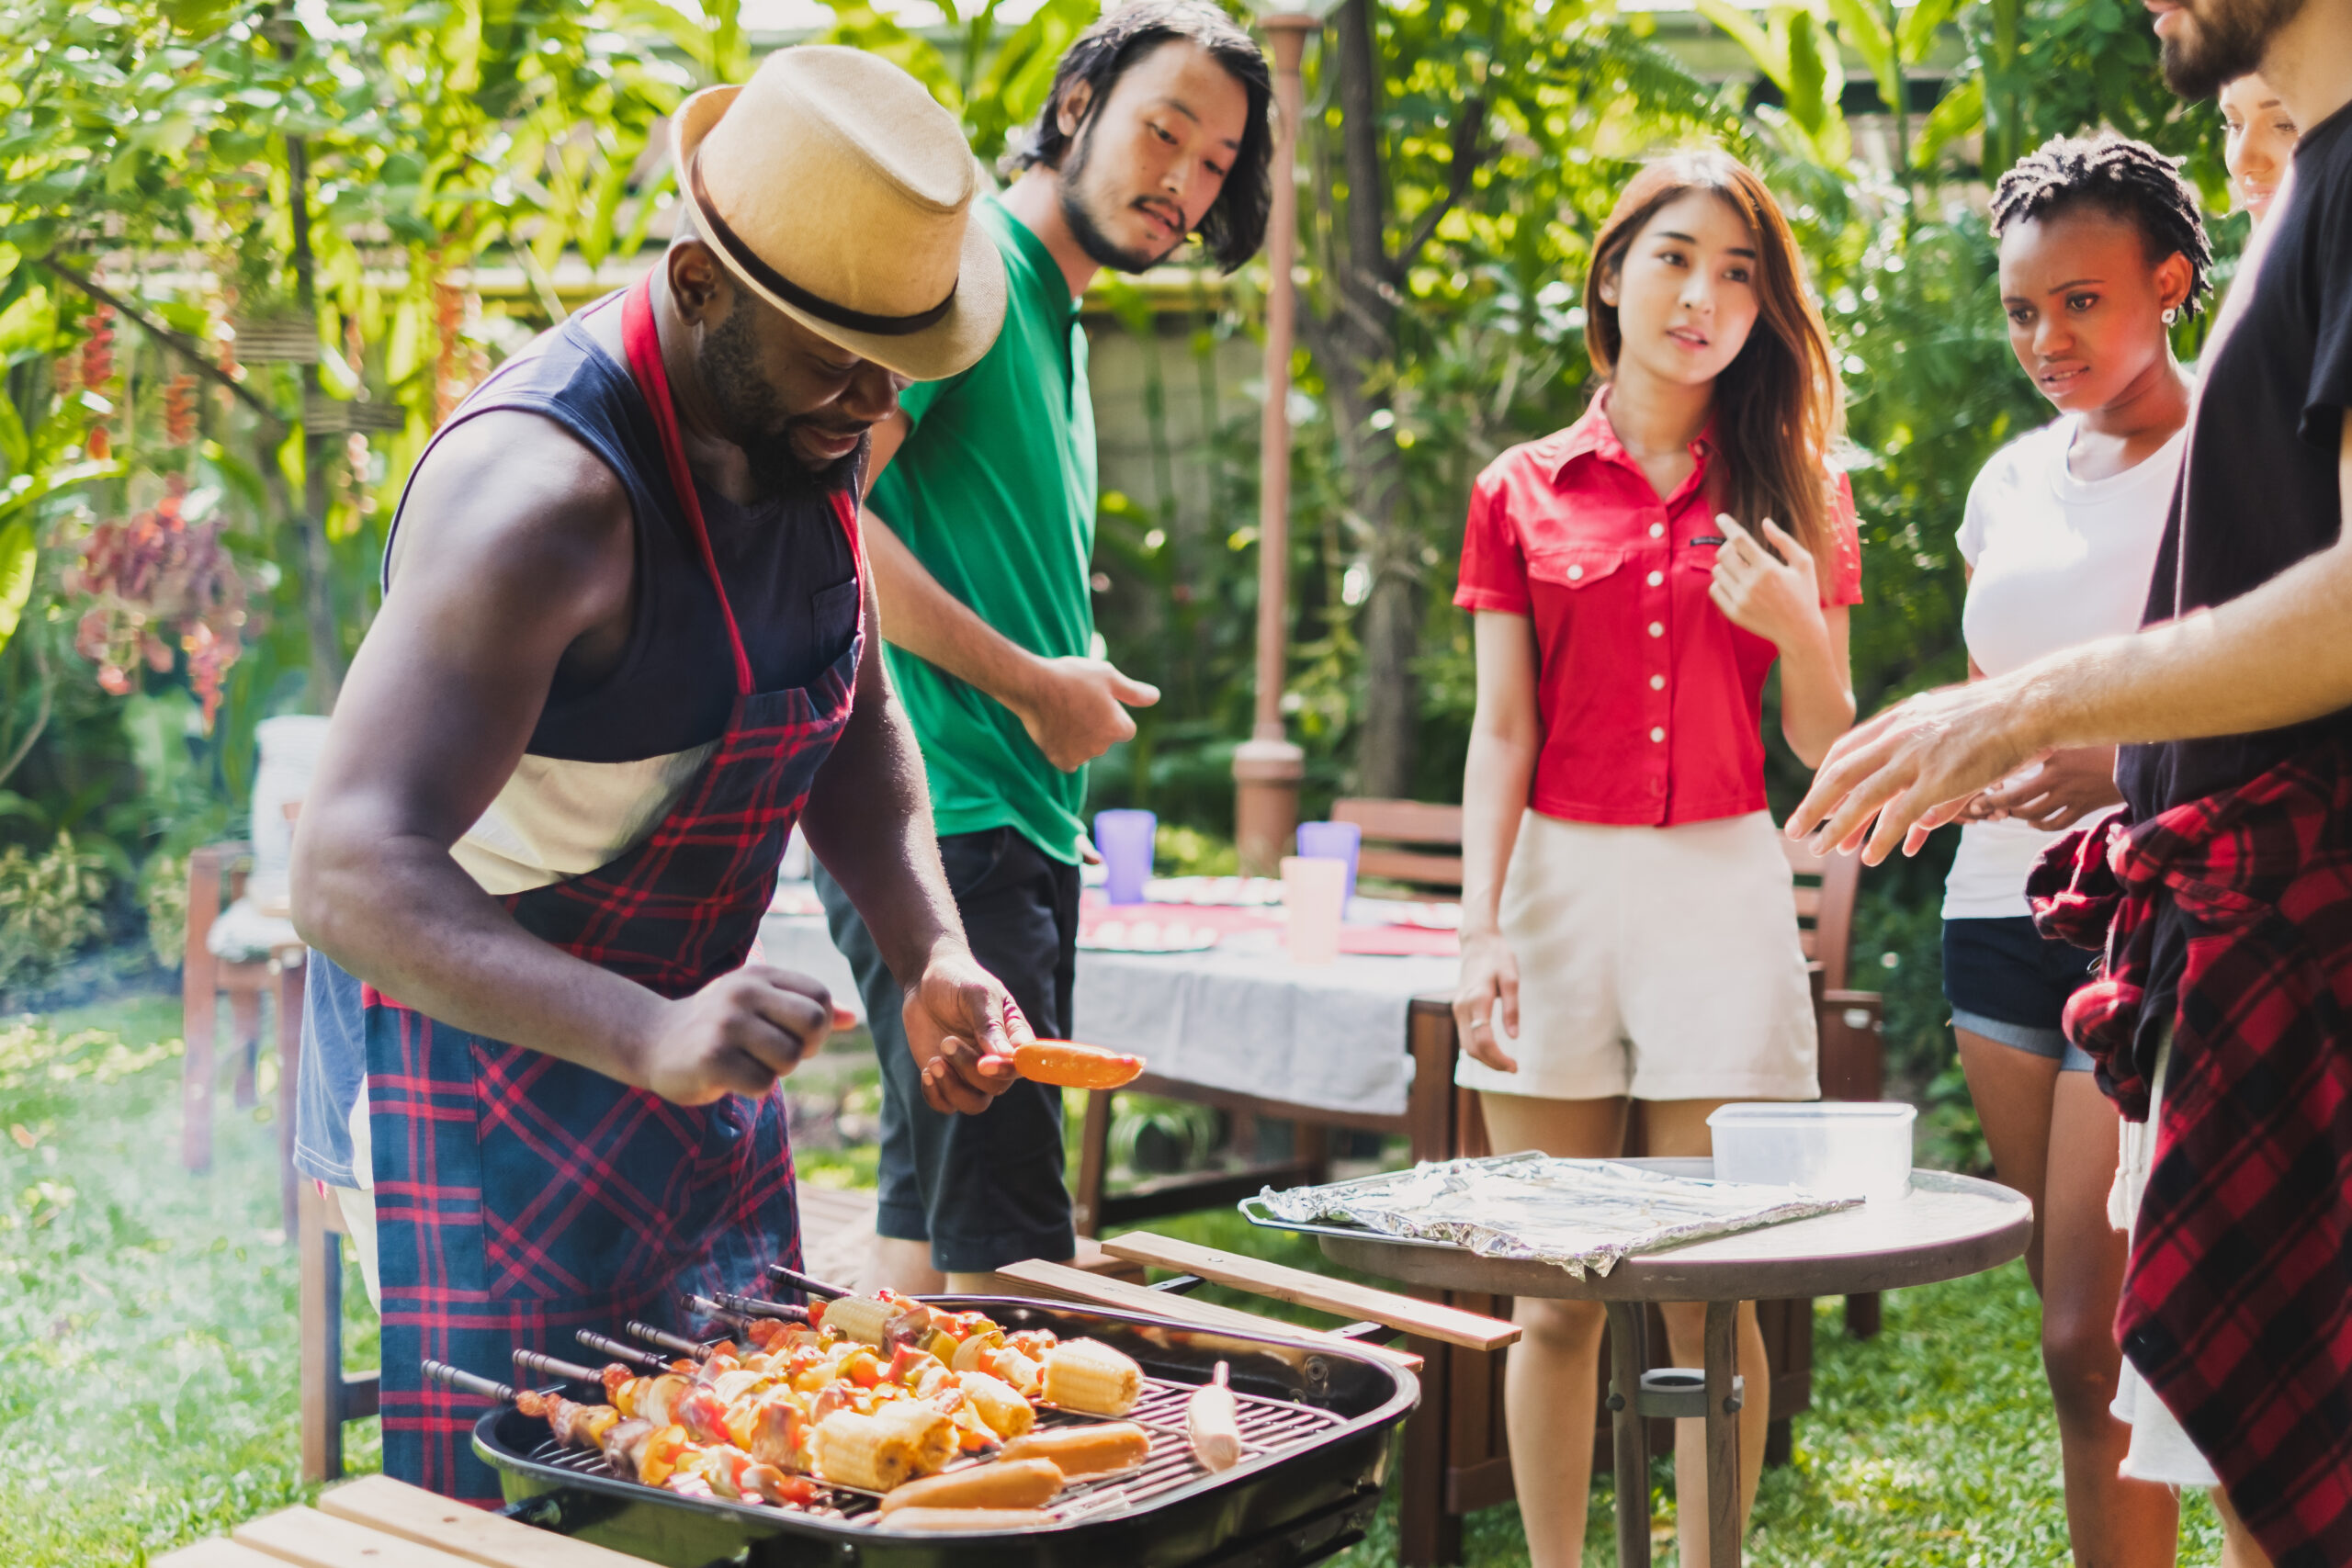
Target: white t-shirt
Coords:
[[2058, 561]]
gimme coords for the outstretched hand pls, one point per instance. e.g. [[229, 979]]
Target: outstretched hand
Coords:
[[962, 1025], [1915, 767]]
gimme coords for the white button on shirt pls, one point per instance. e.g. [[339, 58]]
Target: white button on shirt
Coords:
[[1657, 530], [1576, 574], [1657, 578], [1658, 733], [1657, 683], [1658, 628]]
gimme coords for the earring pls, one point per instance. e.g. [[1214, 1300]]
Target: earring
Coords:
[[2172, 314]]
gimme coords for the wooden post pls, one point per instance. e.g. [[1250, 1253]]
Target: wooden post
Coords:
[[199, 1001], [292, 972], [317, 1231], [1267, 768]]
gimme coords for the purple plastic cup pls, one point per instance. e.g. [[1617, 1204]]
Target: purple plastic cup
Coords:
[[1125, 839], [1333, 841]]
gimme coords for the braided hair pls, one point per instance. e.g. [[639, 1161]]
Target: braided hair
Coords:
[[2125, 179]]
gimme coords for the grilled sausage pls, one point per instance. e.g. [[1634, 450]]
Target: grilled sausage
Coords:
[[1213, 1423], [1074, 1067], [1010, 1484], [1091, 1449]]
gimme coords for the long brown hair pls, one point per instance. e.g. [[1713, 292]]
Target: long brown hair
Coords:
[[1778, 405]]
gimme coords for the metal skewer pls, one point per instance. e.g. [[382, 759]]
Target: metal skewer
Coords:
[[547, 1366], [808, 1285], [667, 1340], [636, 1355], [711, 1309], [753, 1307], [466, 1383]]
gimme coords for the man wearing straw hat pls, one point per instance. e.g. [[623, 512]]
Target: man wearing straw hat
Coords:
[[625, 644], [982, 528]]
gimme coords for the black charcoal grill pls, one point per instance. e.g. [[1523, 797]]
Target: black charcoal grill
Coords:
[[1315, 1419]]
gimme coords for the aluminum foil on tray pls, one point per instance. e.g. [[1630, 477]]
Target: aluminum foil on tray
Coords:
[[1580, 1213]]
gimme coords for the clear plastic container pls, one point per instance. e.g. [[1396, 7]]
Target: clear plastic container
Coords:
[[1837, 1148]]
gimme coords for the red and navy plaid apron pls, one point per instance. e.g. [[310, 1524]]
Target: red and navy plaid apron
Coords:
[[519, 1197]]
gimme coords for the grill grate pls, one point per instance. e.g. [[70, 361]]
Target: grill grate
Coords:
[[1268, 1426]]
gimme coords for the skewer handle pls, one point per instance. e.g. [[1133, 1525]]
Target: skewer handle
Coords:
[[718, 1310], [605, 1345], [667, 1340], [807, 1285], [466, 1382], [753, 1307], [547, 1366]]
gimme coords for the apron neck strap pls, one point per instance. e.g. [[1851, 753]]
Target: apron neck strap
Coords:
[[642, 339]]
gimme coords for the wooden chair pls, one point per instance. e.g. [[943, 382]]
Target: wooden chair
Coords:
[[216, 877], [330, 1396]]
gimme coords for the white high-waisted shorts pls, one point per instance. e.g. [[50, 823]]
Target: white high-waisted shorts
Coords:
[[1658, 963]]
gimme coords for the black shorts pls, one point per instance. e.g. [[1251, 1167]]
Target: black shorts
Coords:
[[2009, 984], [985, 1190]]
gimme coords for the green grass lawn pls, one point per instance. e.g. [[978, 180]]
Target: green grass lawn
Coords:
[[147, 1354]]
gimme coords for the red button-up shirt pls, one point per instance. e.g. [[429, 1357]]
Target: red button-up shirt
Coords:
[[1650, 701]]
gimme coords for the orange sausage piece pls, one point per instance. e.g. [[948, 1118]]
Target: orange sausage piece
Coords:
[[1094, 1448], [1008, 1484], [1074, 1067]]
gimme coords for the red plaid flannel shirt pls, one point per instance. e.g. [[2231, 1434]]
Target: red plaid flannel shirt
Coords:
[[2237, 1302]]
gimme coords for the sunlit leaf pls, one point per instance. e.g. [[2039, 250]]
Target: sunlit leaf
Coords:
[[20, 556]]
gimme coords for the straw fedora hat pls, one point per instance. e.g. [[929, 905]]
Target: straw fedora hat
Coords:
[[832, 186]]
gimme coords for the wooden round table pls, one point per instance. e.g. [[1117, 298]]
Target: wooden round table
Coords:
[[1949, 1226]]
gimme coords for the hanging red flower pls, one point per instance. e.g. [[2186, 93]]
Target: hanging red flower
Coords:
[[161, 586]]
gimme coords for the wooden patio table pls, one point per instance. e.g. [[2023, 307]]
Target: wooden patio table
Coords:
[[1949, 1226]]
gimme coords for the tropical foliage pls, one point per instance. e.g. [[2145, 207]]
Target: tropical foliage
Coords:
[[236, 244], [241, 243]]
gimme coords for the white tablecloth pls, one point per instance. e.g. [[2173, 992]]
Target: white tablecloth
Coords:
[[1239, 1017]]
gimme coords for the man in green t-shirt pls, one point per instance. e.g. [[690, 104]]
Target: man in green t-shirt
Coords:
[[980, 525]]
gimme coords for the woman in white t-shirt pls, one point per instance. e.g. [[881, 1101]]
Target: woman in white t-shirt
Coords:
[[2103, 250]]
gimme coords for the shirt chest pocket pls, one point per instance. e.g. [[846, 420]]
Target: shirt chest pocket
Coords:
[[1698, 556], [1575, 566], [833, 613]]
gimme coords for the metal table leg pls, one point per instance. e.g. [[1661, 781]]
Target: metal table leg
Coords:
[[1723, 1437], [1625, 1427]]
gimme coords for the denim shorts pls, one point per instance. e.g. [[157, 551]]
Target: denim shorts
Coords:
[[2008, 983]]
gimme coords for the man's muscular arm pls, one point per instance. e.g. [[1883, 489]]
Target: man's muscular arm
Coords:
[[440, 703], [868, 819], [2276, 656]]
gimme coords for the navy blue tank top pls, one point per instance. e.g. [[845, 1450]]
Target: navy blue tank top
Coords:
[[787, 568]]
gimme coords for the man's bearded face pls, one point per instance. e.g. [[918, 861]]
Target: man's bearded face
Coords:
[[788, 452], [2206, 44]]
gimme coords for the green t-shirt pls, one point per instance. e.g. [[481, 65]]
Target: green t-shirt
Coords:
[[994, 491]]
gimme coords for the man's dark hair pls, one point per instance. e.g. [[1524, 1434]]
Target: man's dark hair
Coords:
[[1235, 225], [2127, 180]]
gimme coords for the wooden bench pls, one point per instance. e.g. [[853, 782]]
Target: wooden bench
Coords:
[[380, 1523]]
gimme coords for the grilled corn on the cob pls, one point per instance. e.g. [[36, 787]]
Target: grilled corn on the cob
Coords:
[[862, 1318], [864, 1451], [999, 1403], [1088, 1375], [928, 1429]]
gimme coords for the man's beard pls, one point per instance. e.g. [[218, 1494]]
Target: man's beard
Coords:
[[2223, 42], [750, 416], [1079, 211]]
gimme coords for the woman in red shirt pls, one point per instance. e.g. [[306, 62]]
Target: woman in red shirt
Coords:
[[1628, 927]]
